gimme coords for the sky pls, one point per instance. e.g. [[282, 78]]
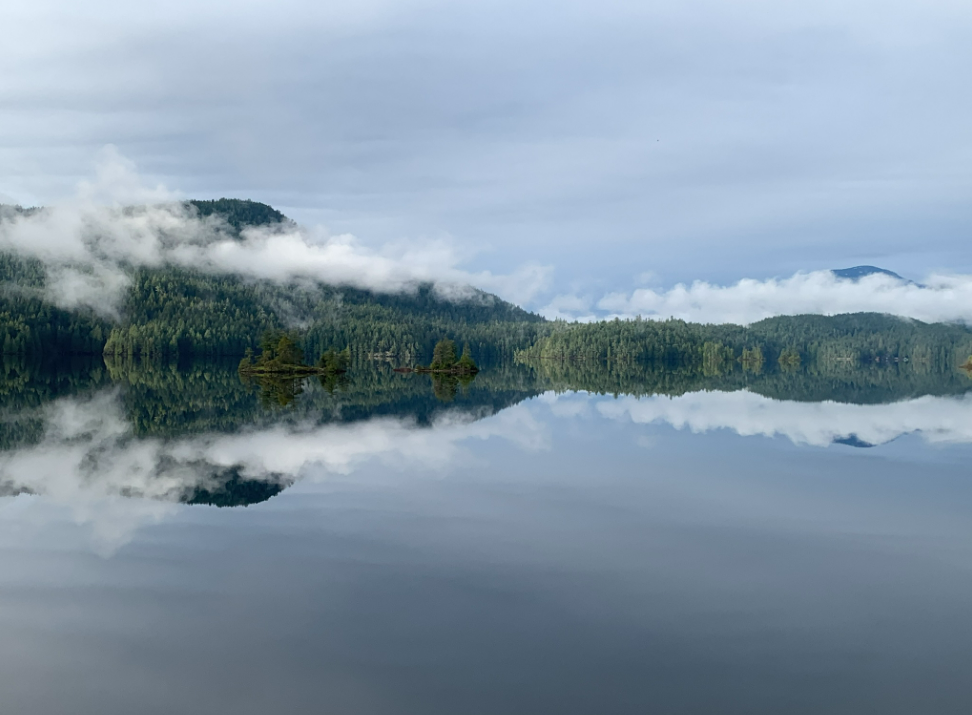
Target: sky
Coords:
[[611, 147]]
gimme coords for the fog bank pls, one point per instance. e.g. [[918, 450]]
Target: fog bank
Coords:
[[937, 298], [115, 224]]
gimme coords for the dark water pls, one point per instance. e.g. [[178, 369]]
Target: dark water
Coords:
[[175, 541]]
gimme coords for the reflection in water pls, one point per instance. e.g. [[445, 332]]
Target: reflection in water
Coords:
[[840, 382], [936, 419], [203, 436], [96, 447], [489, 553]]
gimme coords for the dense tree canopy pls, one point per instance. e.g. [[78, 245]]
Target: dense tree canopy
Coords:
[[787, 341], [238, 213], [170, 312]]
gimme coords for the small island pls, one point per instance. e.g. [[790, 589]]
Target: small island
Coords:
[[281, 356], [444, 361]]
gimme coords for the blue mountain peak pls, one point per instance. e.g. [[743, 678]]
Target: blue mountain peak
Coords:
[[858, 272]]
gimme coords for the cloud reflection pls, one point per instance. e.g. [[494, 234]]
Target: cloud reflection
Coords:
[[936, 419], [115, 482], [111, 482]]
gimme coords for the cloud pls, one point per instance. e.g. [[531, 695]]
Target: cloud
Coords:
[[939, 298], [114, 483], [569, 307], [936, 419], [90, 244], [695, 138]]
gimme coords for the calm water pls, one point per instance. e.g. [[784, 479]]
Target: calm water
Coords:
[[173, 541]]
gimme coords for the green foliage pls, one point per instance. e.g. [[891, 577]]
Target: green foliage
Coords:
[[172, 312], [466, 362], [752, 359], [22, 271], [866, 384], [175, 312], [789, 359], [280, 352], [444, 360], [172, 399], [238, 213], [279, 391], [27, 385], [444, 355], [716, 358], [287, 352], [178, 313], [32, 327], [230, 488], [334, 362], [856, 339]]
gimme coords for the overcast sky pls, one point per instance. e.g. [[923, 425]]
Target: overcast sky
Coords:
[[625, 144]]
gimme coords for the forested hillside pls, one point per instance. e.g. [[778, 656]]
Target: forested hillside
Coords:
[[30, 325], [176, 313], [785, 341]]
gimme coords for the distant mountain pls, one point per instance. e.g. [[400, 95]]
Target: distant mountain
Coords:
[[858, 272], [853, 441]]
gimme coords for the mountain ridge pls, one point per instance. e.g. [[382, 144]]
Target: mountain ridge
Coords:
[[855, 273]]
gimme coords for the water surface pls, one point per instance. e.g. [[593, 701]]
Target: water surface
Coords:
[[174, 540]]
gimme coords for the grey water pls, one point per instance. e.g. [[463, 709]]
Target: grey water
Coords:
[[174, 540]]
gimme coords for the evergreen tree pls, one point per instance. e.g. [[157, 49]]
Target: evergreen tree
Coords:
[[444, 355], [466, 362]]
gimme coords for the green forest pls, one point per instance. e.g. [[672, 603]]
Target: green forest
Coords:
[[775, 344], [171, 313]]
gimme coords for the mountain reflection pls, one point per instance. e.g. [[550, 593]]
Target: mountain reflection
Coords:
[[154, 437], [198, 434], [203, 436]]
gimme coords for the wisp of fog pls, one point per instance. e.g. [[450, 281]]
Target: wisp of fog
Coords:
[[115, 223], [937, 298], [90, 245]]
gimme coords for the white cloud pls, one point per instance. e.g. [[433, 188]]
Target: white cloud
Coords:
[[697, 138], [569, 307], [90, 243], [939, 298]]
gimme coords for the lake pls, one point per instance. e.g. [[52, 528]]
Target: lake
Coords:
[[542, 539]]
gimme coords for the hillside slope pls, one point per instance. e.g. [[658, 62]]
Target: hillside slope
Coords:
[[174, 312]]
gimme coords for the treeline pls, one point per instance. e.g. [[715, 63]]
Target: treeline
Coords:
[[32, 327], [785, 342], [175, 312], [238, 213], [178, 313], [875, 383], [166, 399], [28, 385]]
